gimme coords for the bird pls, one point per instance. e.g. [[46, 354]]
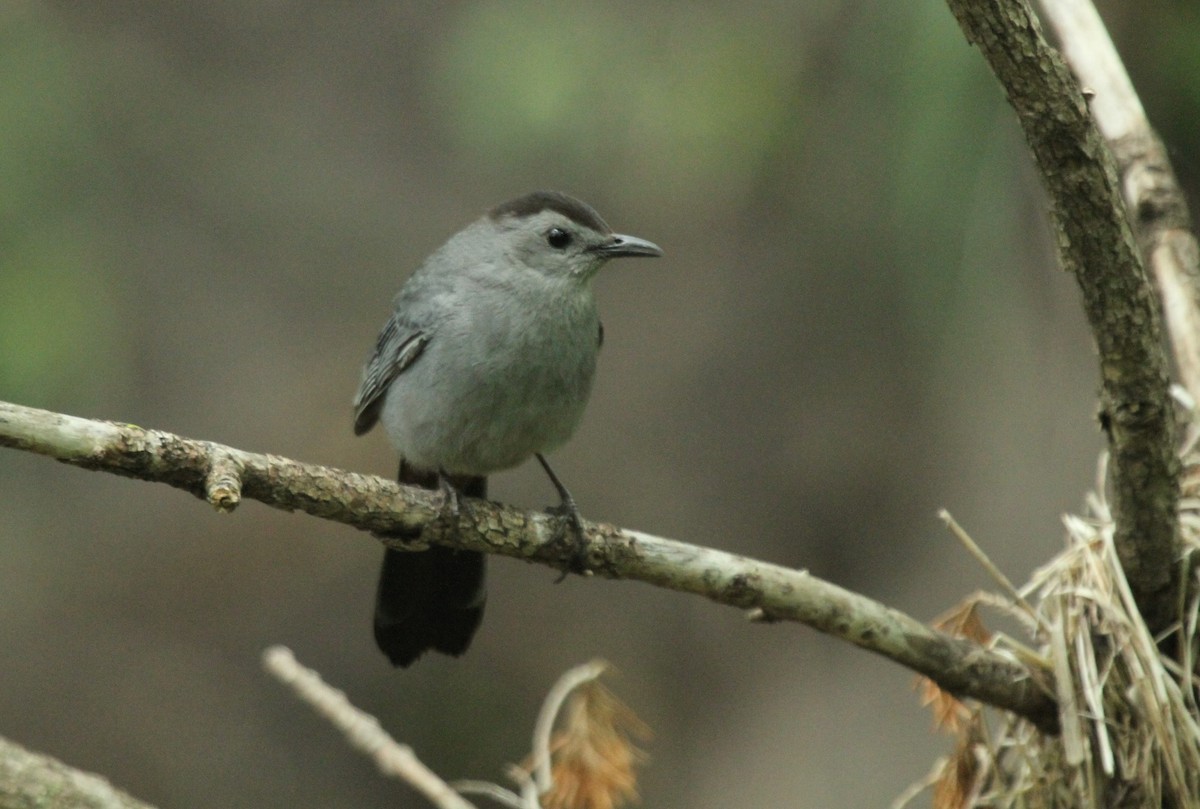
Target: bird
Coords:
[[486, 360]]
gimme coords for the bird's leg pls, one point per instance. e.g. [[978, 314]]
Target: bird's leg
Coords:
[[569, 511], [446, 521], [451, 507]]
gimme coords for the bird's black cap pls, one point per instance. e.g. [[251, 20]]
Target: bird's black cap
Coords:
[[531, 204]]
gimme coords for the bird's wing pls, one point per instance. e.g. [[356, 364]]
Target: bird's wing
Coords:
[[398, 347]]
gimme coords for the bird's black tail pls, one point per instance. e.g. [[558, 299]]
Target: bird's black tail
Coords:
[[430, 599]]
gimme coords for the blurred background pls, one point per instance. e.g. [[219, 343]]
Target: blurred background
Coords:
[[205, 208]]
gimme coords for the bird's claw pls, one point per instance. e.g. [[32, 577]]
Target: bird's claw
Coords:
[[573, 536], [451, 507], [449, 512]]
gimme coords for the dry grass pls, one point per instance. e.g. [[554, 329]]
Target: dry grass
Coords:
[[1130, 722]]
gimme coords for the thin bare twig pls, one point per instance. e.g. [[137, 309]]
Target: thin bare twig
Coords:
[[997, 575], [544, 726], [361, 730], [495, 792]]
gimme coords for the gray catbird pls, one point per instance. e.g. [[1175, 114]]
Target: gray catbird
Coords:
[[487, 359]]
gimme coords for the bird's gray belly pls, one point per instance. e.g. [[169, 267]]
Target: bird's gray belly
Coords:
[[492, 403]]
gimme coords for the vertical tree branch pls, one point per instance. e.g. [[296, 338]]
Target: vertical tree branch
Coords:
[[1151, 190], [1096, 244]]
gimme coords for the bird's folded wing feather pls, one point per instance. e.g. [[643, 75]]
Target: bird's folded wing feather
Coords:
[[398, 347]]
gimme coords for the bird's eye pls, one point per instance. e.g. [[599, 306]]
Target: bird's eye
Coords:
[[558, 238]]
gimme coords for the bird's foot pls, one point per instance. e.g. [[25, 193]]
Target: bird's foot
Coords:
[[449, 512], [573, 537], [451, 505]]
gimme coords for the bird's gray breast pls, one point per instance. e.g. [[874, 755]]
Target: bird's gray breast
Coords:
[[502, 377]]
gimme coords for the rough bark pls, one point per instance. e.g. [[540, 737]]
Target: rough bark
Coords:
[[1097, 245], [30, 780], [222, 475]]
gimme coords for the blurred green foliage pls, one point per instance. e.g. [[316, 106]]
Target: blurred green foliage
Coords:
[[55, 316], [690, 95], [54, 307], [711, 107]]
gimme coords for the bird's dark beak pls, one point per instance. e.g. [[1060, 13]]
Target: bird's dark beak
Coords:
[[618, 246]]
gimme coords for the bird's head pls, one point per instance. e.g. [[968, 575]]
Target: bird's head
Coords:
[[560, 237]]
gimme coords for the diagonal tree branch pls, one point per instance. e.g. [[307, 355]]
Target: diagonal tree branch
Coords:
[[222, 475], [1151, 190], [1097, 245], [29, 779]]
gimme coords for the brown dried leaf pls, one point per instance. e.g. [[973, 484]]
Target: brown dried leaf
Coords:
[[948, 711], [593, 755], [962, 621], [956, 785]]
